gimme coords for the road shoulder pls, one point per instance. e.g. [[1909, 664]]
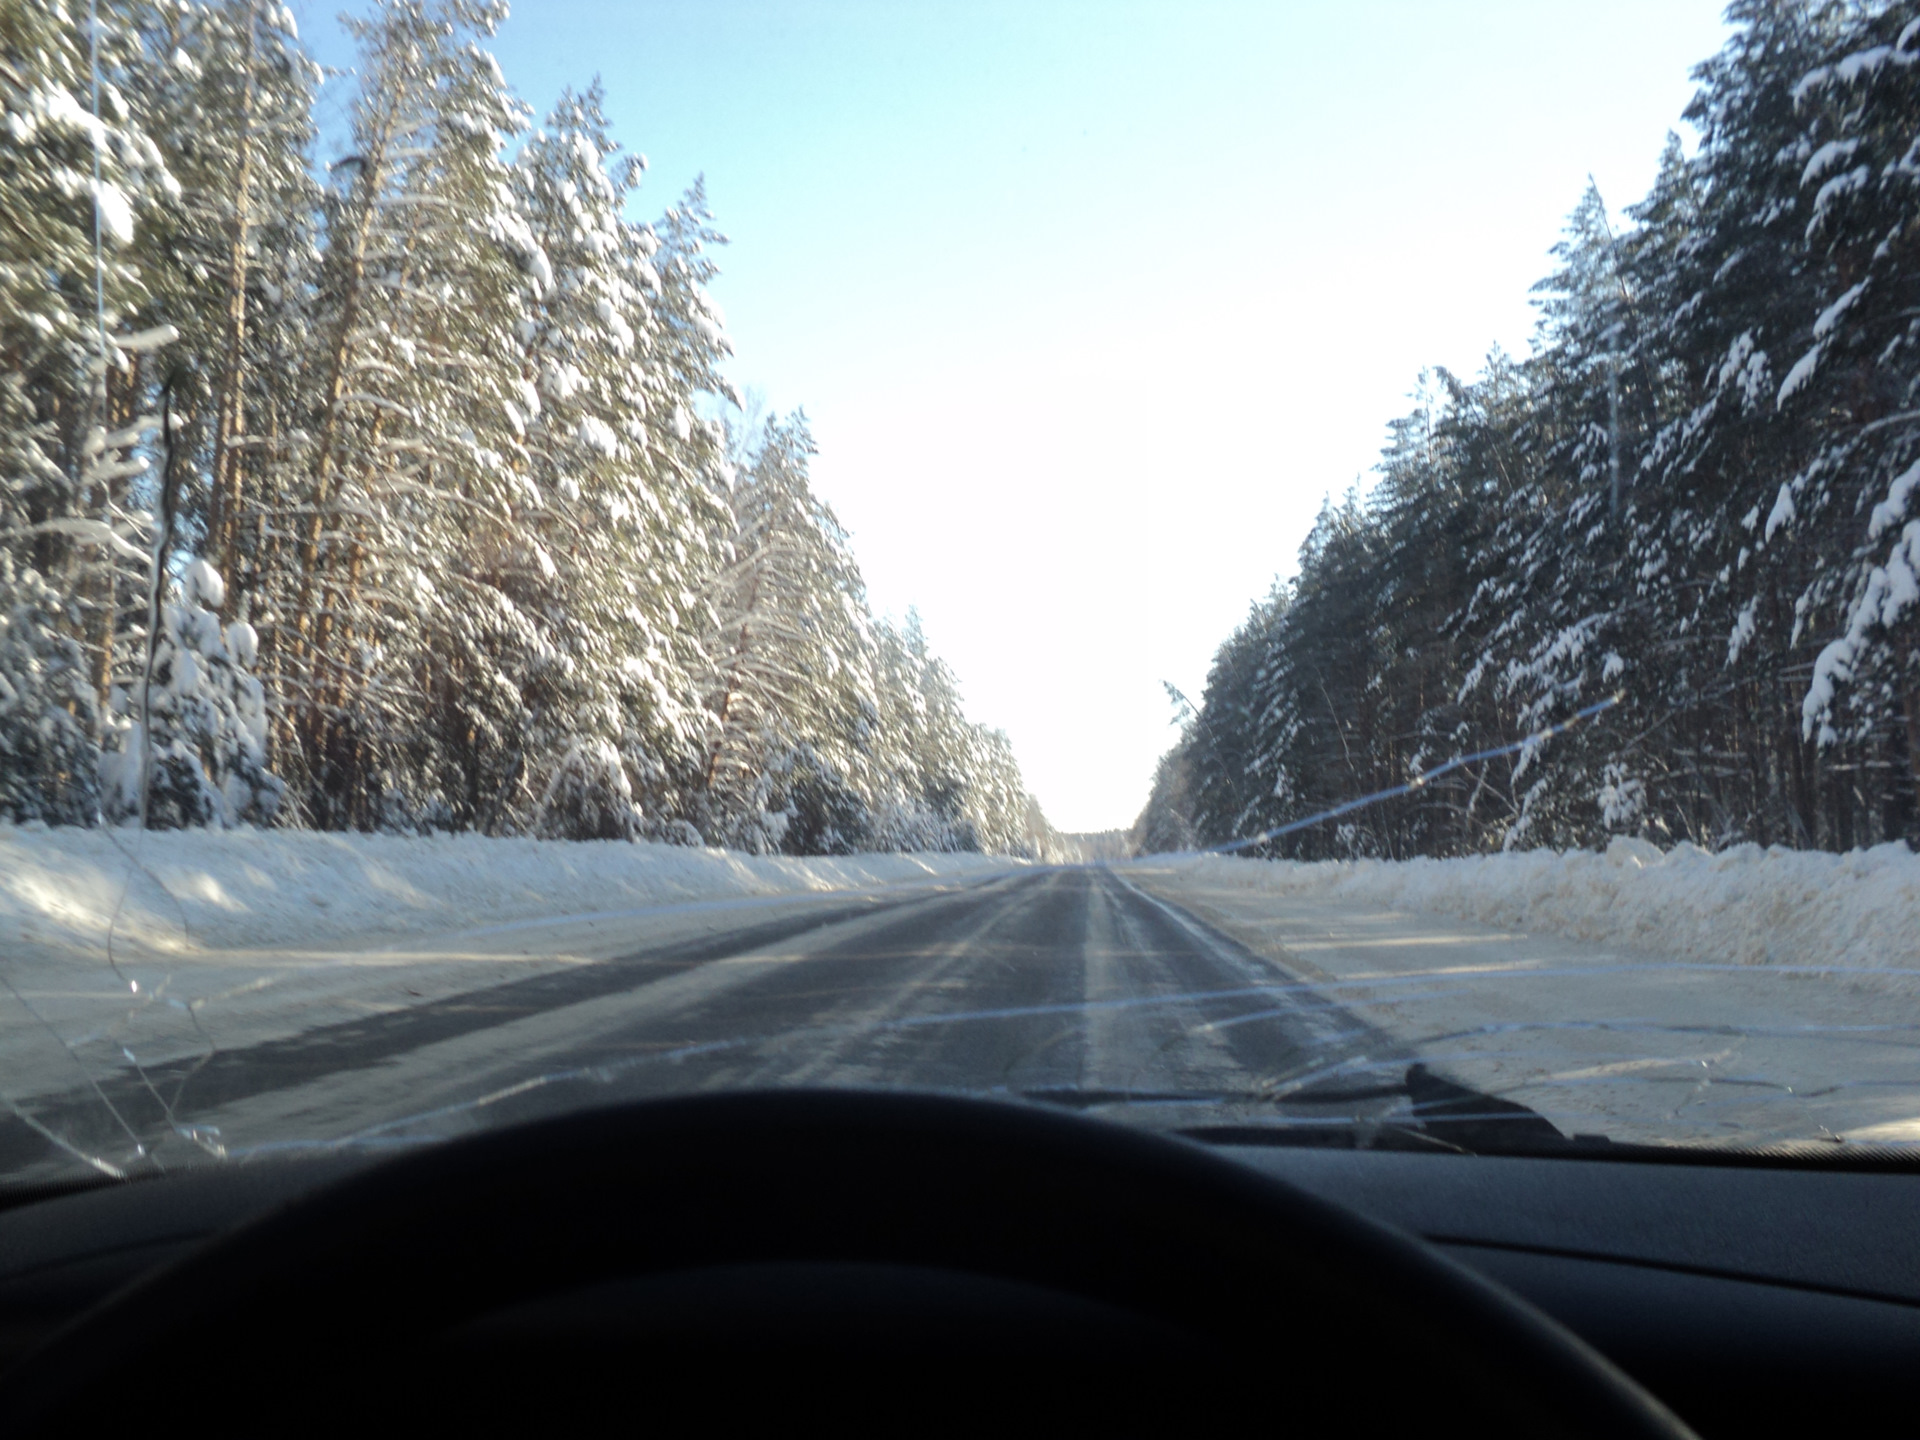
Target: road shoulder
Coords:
[[1600, 1039]]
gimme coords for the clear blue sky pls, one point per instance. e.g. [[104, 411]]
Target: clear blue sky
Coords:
[[1092, 303]]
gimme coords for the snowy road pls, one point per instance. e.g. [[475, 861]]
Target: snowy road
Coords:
[[1082, 985], [1038, 983]]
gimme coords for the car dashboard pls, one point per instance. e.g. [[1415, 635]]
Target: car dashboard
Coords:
[[1750, 1299]]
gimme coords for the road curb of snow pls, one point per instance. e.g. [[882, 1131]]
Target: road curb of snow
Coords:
[[221, 889], [1743, 905]]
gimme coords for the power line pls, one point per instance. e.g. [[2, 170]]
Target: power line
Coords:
[[1419, 781]]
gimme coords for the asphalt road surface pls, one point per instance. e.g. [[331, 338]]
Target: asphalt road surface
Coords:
[[1063, 985]]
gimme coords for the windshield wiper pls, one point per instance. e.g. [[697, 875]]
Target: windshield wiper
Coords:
[[1442, 1115]]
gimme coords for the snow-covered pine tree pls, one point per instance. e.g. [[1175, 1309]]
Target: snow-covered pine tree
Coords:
[[49, 715], [193, 724], [573, 340], [995, 806], [588, 797], [1165, 824], [791, 691], [1234, 771], [938, 780], [1699, 496], [1858, 380], [1714, 564], [1549, 617], [684, 500], [913, 744], [81, 184], [227, 94], [633, 492], [397, 656], [438, 425]]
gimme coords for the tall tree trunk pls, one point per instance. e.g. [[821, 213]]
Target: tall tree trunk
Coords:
[[99, 586], [313, 614], [231, 423], [338, 360]]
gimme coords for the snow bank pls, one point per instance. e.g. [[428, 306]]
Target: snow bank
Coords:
[[1743, 905], [215, 890]]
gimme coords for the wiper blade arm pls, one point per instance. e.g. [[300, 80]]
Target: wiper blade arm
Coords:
[[1478, 1123], [1078, 1097], [1443, 1116]]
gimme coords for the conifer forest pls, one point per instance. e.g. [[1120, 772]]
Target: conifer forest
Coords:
[[1700, 493], [403, 491]]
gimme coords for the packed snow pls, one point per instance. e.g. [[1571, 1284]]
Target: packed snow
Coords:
[[196, 892], [1740, 906], [1748, 996]]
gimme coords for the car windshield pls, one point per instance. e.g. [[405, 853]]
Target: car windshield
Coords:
[[1310, 575]]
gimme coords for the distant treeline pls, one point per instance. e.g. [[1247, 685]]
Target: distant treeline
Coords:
[[1095, 845], [1701, 491], [452, 528]]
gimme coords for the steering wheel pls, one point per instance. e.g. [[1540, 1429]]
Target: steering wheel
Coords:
[[870, 1259]]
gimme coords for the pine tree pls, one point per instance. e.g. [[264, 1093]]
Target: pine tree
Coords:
[[1858, 380], [1692, 496], [82, 185], [228, 97], [792, 684], [397, 658], [443, 526], [632, 494], [193, 742]]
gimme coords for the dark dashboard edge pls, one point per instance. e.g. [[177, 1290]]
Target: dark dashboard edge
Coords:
[[1706, 1272]]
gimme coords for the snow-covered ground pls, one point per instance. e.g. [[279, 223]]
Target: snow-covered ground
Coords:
[[1748, 995], [114, 944], [1740, 906], [188, 892]]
